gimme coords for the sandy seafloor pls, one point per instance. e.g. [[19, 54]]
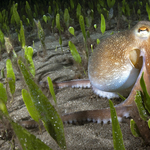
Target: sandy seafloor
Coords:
[[55, 64]]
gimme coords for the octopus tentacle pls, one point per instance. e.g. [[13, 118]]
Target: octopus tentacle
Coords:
[[29, 124], [96, 116], [80, 83]]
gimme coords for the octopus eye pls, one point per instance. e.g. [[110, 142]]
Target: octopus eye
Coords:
[[143, 29], [142, 32]]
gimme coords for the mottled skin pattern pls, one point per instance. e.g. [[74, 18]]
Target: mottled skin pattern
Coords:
[[115, 66], [110, 61]]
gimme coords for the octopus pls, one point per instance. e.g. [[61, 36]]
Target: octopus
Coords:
[[116, 66]]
